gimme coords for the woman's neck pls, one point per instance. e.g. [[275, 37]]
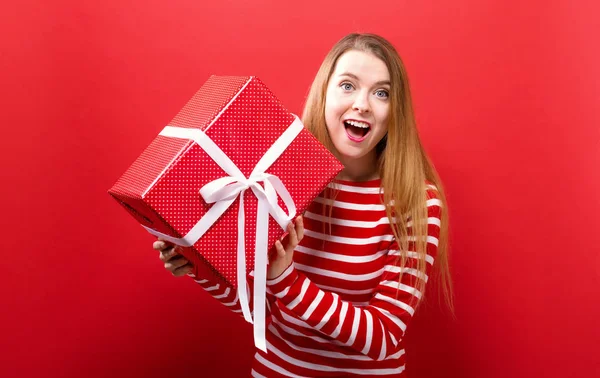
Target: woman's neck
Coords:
[[365, 170]]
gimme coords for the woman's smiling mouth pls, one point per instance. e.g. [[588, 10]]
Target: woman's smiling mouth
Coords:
[[356, 130]]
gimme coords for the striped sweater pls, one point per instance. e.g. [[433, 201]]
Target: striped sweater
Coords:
[[339, 309]]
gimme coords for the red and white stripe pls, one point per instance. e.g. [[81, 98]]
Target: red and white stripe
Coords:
[[341, 309]]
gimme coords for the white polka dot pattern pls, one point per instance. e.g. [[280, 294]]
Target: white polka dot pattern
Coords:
[[244, 131]]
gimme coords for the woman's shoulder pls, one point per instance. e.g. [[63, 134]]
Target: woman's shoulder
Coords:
[[434, 200], [432, 190]]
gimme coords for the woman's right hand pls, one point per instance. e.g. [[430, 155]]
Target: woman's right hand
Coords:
[[174, 262]]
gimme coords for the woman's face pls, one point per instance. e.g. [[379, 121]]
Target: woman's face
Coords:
[[357, 107]]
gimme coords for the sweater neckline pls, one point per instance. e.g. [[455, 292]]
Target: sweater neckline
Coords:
[[375, 183]]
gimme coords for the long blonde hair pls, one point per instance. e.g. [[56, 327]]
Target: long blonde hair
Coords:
[[404, 166]]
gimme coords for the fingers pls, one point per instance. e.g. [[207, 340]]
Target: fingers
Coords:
[[293, 241], [159, 245], [167, 250], [296, 232], [279, 248], [167, 254], [300, 227], [184, 270], [174, 262]]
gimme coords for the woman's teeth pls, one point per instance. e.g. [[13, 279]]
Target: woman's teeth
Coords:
[[362, 125], [356, 130]]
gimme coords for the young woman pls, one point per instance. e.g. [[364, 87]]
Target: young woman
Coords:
[[345, 285]]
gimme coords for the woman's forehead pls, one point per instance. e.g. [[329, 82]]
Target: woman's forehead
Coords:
[[362, 66]]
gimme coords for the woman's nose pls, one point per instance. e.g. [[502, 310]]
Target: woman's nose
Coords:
[[361, 103]]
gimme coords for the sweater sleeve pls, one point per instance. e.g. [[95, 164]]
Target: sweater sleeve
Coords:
[[376, 329], [228, 295]]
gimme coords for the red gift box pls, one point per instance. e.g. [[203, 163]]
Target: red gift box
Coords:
[[244, 119]]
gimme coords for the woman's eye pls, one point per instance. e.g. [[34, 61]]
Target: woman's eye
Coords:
[[346, 86], [382, 94]]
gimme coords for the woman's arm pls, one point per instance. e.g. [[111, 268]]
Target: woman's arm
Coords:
[[374, 330], [179, 266]]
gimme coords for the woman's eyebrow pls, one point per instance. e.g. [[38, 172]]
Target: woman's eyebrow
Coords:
[[349, 74]]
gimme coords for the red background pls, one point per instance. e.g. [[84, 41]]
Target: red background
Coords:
[[507, 97]]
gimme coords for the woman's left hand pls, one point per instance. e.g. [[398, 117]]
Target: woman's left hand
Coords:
[[284, 256]]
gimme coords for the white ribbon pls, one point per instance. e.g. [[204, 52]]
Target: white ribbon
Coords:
[[222, 193]]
